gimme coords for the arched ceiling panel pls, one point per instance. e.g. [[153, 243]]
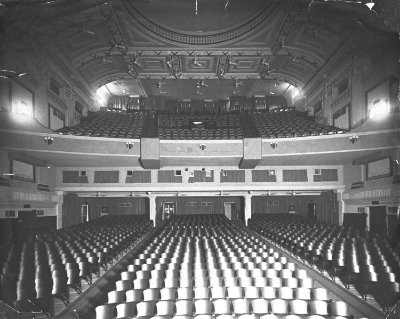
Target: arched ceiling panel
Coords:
[[139, 42]]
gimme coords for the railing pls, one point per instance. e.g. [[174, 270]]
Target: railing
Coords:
[[394, 313], [8, 312]]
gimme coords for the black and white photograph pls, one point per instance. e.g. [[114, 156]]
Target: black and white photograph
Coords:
[[206, 159]]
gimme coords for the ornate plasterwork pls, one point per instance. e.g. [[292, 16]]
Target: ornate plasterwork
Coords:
[[204, 39], [57, 100]]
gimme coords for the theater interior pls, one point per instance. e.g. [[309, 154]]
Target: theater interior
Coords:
[[207, 159]]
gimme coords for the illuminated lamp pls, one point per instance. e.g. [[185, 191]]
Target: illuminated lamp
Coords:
[[353, 139], [273, 144], [370, 4], [49, 140], [129, 145], [379, 109], [22, 108]]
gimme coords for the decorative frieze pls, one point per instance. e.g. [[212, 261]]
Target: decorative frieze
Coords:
[[23, 196], [372, 194], [76, 116], [57, 100], [341, 98]]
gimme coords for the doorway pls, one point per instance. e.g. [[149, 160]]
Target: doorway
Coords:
[[85, 213], [229, 210], [378, 220], [312, 210], [168, 210]]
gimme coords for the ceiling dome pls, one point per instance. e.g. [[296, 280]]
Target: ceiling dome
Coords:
[[212, 17]]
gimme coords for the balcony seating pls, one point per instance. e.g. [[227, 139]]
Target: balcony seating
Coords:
[[210, 127], [110, 124], [199, 266], [365, 262], [280, 123], [35, 272]]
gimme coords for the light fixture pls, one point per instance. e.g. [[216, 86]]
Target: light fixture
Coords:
[[353, 139], [370, 4], [48, 140], [202, 146], [273, 144], [129, 145], [379, 109]]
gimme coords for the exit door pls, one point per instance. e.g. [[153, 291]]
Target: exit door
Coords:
[[312, 210], [85, 213], [229, 210], [378, 220], [168, 210]]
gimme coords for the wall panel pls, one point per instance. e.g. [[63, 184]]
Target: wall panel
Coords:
[[106, 176], [74, 177], [326, 205], [294, 175], [327, 175], [139, 177], [168, 177], [101, 205], [232, 176], [200, 176], [196, 205], [259, 176]]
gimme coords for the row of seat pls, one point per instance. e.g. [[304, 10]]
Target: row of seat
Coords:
[[207, 261], [274, 124], [289, 124], [367, 263], [125, 293], [224, 126], [223, 308], [110, 124], [35, 272]]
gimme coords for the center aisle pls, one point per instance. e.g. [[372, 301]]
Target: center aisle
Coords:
[[206, 265]]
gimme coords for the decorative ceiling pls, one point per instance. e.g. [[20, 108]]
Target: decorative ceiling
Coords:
[[244, 48]]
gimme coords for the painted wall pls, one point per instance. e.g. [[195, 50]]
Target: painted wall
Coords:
[[200, 205], [326, 205], [71, 212], [40, 68], [14, 193], [187, 183]]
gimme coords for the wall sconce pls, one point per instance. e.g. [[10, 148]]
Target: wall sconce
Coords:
[[129, 145], [202, 146], [273, 144], [48, 140], [353, 139]]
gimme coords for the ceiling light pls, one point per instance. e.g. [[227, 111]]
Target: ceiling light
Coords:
[[90, 32], [370, 4]]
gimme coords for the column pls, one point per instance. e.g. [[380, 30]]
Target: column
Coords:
[[341, 206], [59, 209], [152, 209], [247, 208]]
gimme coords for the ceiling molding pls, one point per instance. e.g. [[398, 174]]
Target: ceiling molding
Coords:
[[208, 38]]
